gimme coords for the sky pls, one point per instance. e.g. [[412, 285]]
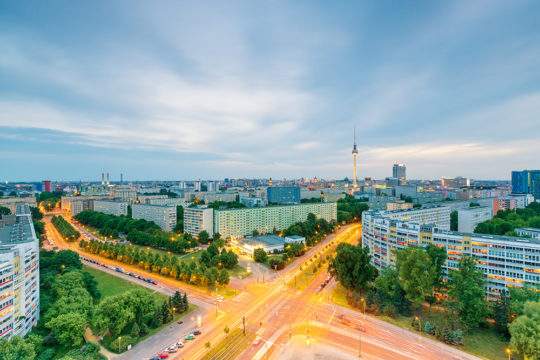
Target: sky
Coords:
[[222, 89]]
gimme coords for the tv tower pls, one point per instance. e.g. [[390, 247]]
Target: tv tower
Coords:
[[355, 153]]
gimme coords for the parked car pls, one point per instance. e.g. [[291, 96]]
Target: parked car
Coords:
[[257, 340], [180, 344], [190, 337], [172, 349], [197, 332], [163, 355]]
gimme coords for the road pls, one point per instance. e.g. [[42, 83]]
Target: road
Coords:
[[280, 314]]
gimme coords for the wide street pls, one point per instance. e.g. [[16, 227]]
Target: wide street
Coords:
[[281, 315]]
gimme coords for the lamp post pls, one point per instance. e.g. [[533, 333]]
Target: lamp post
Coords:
[[364, 302], [119, 338], [419, 327], [509, 352]]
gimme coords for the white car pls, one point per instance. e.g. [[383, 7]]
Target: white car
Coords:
[[172, 349], [180, 344], [257, 340]]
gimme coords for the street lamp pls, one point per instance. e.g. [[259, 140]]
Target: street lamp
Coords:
[[364, 302], [419, 327], [509, 352], [119, 338]]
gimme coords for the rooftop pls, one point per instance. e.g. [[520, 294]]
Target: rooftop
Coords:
[[268, 240], [16, 229]]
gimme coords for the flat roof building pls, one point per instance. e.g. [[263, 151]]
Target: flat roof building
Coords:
[[268, 243], [241, 222], [111, 207], [469, 217], [162, 215], [197, 219], [19, 274], [283, 194], [532, 232]]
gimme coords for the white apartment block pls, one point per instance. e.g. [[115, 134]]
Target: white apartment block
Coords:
[[532, 232], [123, 192], [197, 219], [439, 215], [169, 201], [146, 199], [505, 261], [19, 274], [468, 218], [234, 223], [163, 215], [111, 207], [398, 205]]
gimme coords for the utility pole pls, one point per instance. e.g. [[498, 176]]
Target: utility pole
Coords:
[[244, 325]]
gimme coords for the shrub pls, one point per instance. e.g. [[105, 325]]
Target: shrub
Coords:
[[276, 263], [121, 343], [457, 337], [259, 255], [390, 310], [428, 328]]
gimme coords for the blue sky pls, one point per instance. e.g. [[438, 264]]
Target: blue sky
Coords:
[[188, 90]]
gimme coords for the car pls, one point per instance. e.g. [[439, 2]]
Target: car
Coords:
[[155, 358], [180, 344], [172, 349], [190, 337], [257, 340], [180, 322], [361, 328], [154, 282], [163, 355], [197, 332]]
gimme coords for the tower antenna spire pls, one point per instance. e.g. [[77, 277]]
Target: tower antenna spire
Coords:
[[354, 153]]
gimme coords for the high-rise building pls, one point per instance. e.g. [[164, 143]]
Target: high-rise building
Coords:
[[505, 261], [469, 217], [19, 274], [283, 194], [233, 223], [123, 192], [526, 182], [197, 219], [47, 185], [399, 171], [163, 215]]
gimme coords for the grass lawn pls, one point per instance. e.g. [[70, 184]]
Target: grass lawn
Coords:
[[230, 347], [193, 256], [111, 285], [480, 342], [239, 271]]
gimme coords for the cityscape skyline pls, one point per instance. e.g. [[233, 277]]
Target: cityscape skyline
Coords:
[[212, 91]]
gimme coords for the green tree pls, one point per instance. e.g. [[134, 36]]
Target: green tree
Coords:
[[352, 267], [223, 277], [414, 266], [454, 220], [135, 331], [525, 331], [468, 286], [259, 255], [204, 238], [177, 302], [4, 210], [16, 349], [68, 329]]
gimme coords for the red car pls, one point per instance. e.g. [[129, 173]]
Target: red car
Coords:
[[163, 355]]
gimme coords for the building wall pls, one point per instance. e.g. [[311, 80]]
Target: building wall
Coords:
[[241, 222], [163, 215], [198, 219], [503, 204], [111, 207], [470, 217], [505, 261], [438, 215], [398, 205], [283, 194], [19, 275]]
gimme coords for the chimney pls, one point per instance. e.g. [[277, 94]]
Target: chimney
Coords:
[[102, 178], [108, 179], [121, 178]]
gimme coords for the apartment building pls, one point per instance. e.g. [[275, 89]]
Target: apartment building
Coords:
[[197, 219], [111, 207], [469, 217], [439, 215], [505, 261], [163, 215], [19, 274], [240, 222], [505, 203]]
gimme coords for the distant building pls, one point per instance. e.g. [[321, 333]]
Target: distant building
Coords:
[[197, 219], [77, 204], [111, 207], [12, 202], [146, 199], [469, 217], [19, 274], [455, 183], [283, 194], [124, 193], [526, 182], [295, 239], [241, 222], [399, 171], [169, 201], [398, 205], [251, 202], [532, 232], [438, 215], [47, 185], [268, 243], [522, 200], [163, 215], [505, 203], [406, 190]]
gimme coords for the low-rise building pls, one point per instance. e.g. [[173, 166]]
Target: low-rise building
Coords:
[[268, 243], [295, 239], [398, 205], [19, 274], [532, 232], [469, 217], [111, 207], [162, 215], [197, 219]]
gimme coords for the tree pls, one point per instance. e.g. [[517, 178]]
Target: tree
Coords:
[[454, 220], [135, 330], [525, 330], [255, 233], [204, 238], [259, 255], [4, 210], [223, 277], [468, 286], [501, 315], [414, 266], [68, 329], [352, 267], [16, 349], [177, 301], [438, 257]]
